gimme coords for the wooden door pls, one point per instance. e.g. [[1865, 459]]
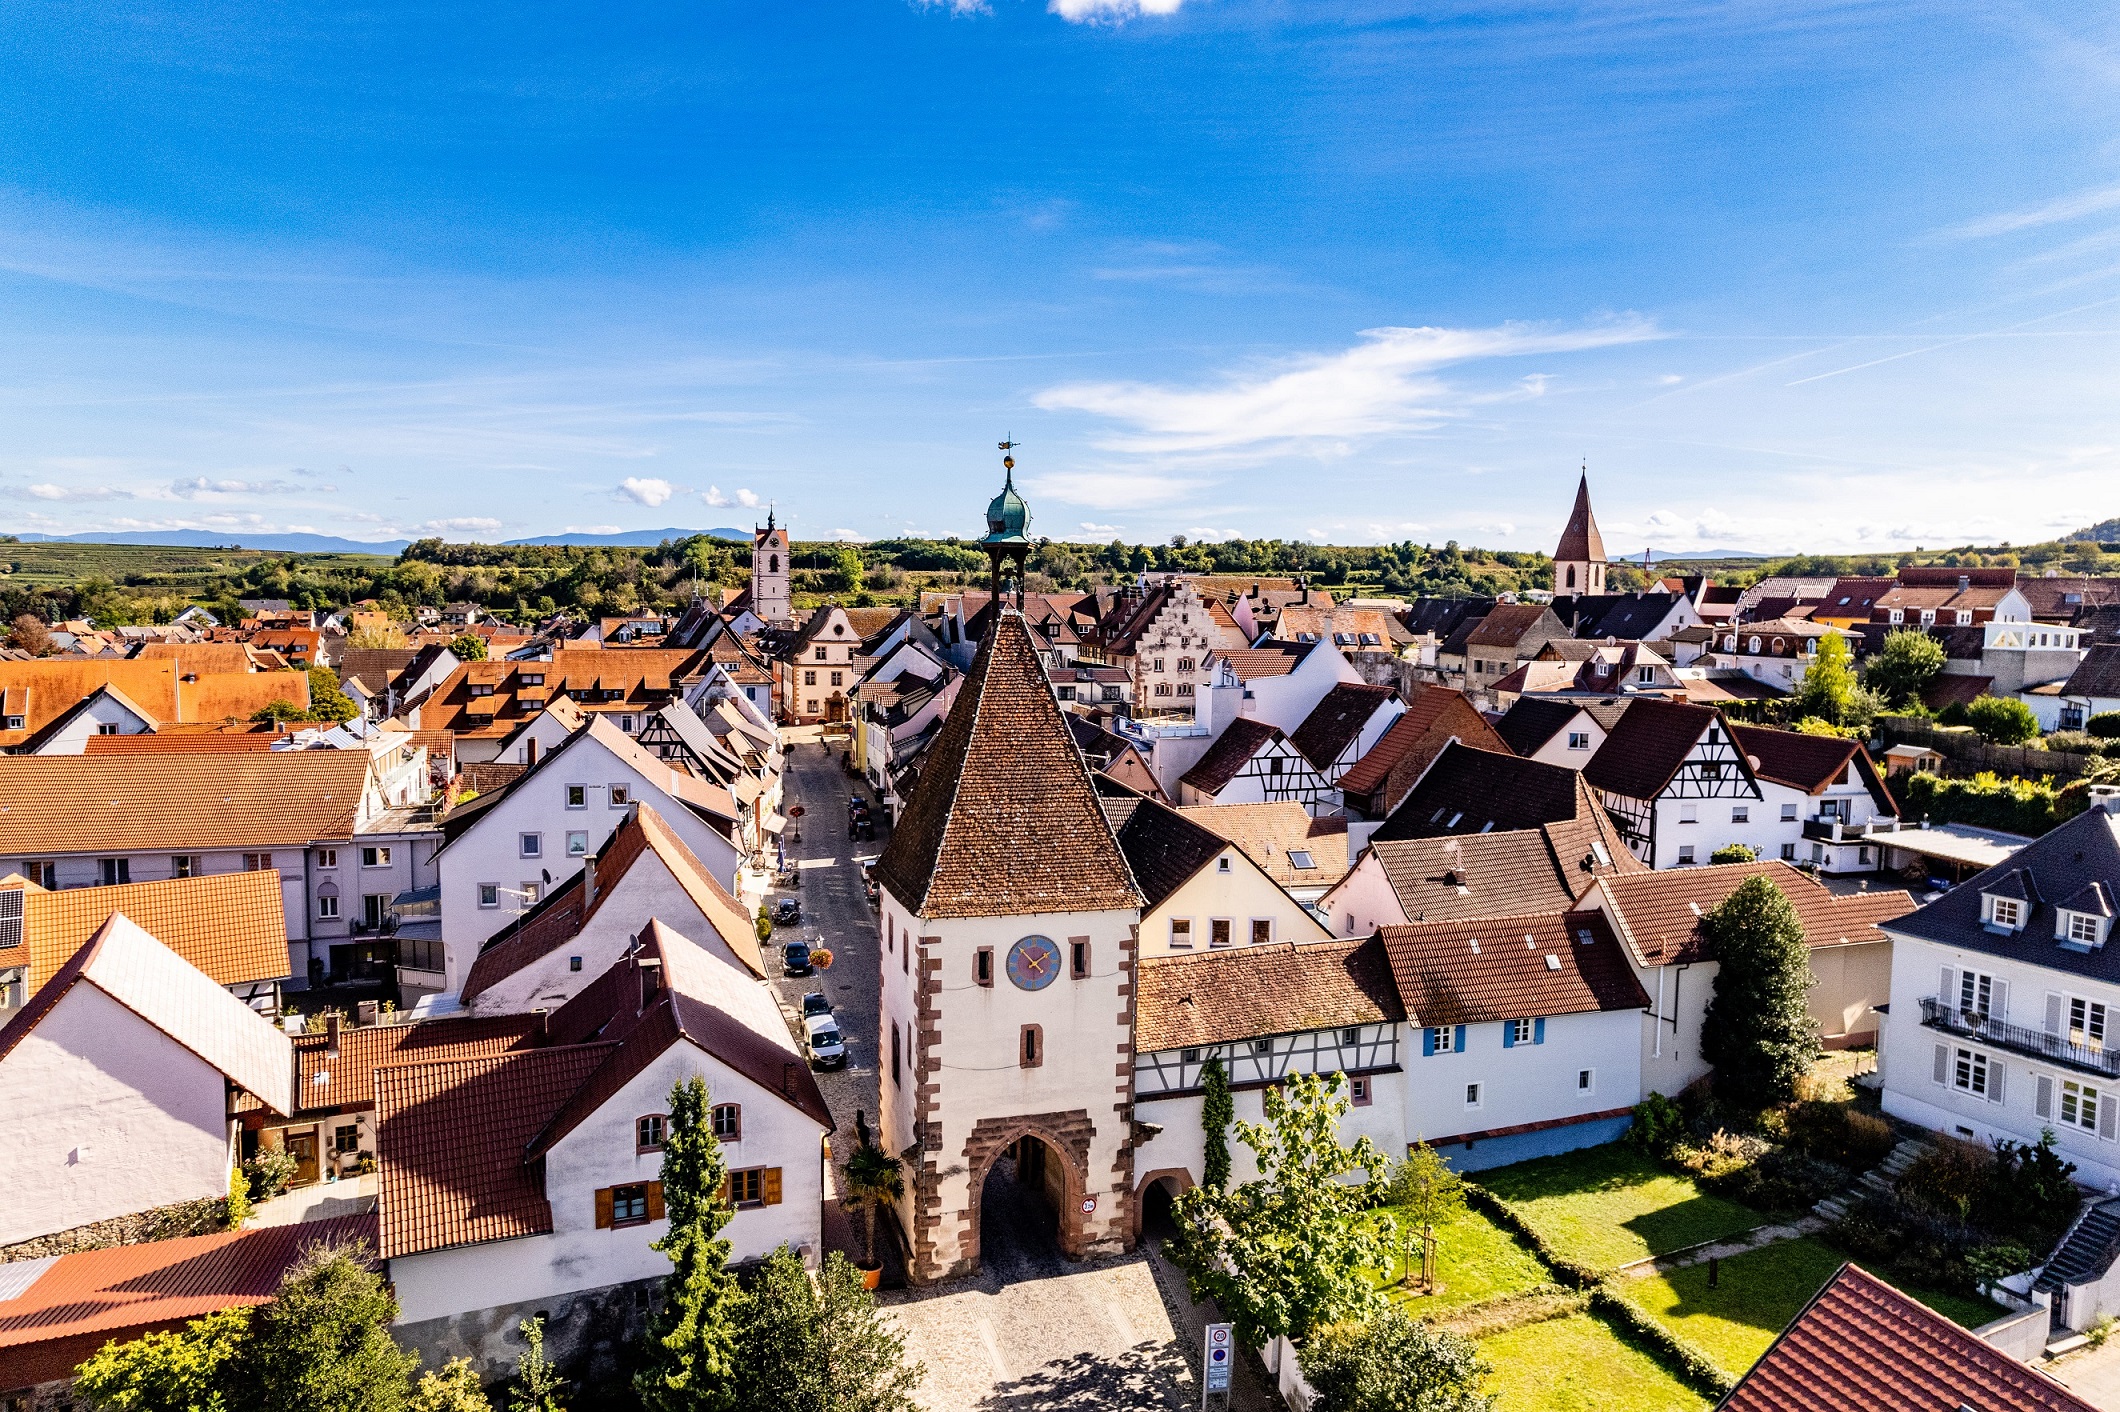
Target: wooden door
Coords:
[[304, 1147]]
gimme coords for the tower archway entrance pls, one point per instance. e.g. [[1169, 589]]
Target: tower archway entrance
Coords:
[[1021, 1204]]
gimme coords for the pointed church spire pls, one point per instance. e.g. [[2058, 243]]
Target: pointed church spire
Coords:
[[1580, 541]]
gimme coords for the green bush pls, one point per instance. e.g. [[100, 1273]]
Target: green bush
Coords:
[[1839, 1133], [1392, 1363], [1734, 853], [2002, 720], [1677, 1352], [2075, 742], [269, 1172], [2105, 725], [1989, 801], [1658, 1124], [2029, 1191]]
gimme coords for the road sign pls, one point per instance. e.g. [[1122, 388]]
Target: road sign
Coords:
[[1089, 1204], [1221, 1352]]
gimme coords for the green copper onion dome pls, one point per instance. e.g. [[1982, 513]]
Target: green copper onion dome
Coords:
[[1007, 517]]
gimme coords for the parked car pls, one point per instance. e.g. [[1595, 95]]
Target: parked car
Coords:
[[816, 1002], [787, 912], [795, 959], [820, 1035]]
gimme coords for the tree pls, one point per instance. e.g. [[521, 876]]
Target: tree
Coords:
[[538, 1385], [184, 1370], [822, 1347], [469, 647], [873, 1181], [2002, 720], [846, 568], [1903, 666], [324, 1340], [1735, 853], [689, 1363], [273, 712], [1828, 689], [1758, 1031], [385, 637], [454, 1389], [1394, 1364], [31, 635], [1217, 1110], [1429, 1193], [1283, 1254], [326, 701]]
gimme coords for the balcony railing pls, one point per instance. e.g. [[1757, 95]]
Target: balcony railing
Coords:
[[2019, 1039]]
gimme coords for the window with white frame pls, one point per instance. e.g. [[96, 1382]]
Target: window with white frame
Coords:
[[375, 857], [533, 845], [1969, 1072], [1788, 813], [1181, 933], [621, 795], [1442, 1039], [1689, 813], [1578, 740], [489, 894], [327, 905], [2079, 1105], [1586, 1081], [577, 843], [1472, 1095], [1788, 853], [1976, 992], [2006, 912], [1520, 1032], [2086, 1022], [327, 857], [2082, 928], [577, 796], [1740, 813], [1685, 853]]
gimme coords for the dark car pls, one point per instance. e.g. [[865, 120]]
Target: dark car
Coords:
[[795, 959], [816, 1002], [862, 830], [787, 912]]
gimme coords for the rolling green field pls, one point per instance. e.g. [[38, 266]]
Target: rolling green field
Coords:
[[157, 566], [1609, 1206], [1578, 1364]]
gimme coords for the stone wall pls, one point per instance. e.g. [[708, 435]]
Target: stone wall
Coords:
[[592, 1335], [206, 1216]]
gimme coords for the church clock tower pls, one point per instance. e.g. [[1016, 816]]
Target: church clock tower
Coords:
[[1009, 927], [1579, 562], [770, 570]]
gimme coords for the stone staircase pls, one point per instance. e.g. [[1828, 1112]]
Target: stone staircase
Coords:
[[1878, 1180], [2086, 1253]]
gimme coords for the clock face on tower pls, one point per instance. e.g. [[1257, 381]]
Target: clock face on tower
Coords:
[[1034, 963]]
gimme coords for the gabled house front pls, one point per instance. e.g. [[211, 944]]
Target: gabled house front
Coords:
[[1252, 762]]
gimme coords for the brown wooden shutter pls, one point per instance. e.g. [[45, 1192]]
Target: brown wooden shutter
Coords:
[[723, 1197], [772, 1185], [603, 1208], [655, 1201]]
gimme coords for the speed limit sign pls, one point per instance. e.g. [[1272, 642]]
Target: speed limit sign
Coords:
[[1220, 1348]]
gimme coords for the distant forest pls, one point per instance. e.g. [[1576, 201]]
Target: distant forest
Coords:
[[124, 584]]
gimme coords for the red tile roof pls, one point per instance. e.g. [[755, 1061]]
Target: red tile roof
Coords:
[[80, 1301], [232, 926], [1337, 721], [1659, 914], [346, 1080], [1647, 746], [1214, 997], [1432, 706], [1475, 969], [1277, 660], [1005, 819], [1862, 1346]]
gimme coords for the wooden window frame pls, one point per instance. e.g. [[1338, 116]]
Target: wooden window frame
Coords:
[[1261, 931], [607, 1206], [640, 1131], [714, 1122], [736, 1189]]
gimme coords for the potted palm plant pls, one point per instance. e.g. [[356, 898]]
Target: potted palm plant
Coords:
[[873, 1181]]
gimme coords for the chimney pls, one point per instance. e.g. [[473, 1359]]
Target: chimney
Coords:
[[1965, 581], [331, 1034], [588, 883], [530, 751], [2106, 797]]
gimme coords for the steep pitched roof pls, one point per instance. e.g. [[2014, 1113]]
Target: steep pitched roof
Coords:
[[2098, 674], [232, 926], [1659, 914], [1472, 970], [1337, 721], [1507, 624], [1534, 720], [1272, 659], [1272, 834], [1233, 749], [1435, 714], [1469, 791], [1215, 997], [41, 690], [1809, 762], [1496, 874], [1647, 746], [1860, 1343], [336, 1081], [1162, 845], [1004, 820], [1580, 539], [125, 804], [175, 997]]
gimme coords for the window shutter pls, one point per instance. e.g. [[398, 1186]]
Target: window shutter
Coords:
[[2053, 1015], [772, 1185], [1997, 1071], [1943, 1064], [1508, 1034], [721, 1197], [603, 1208], [1538, 1030], [1949, 994], [2042, 1096], [1999, 1000], [655, 1201], [1427, 1042], [2107, 1111], [1460, 1039]]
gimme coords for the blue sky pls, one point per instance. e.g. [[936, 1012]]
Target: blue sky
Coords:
[[1788, 274]]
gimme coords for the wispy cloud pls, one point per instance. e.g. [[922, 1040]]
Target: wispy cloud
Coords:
[[644, 491], [1111, 11], [1383, 385], [2062, 208], [1090, 527], [75, 494], [1114, 490], [202, 485], [714, 497], [463, 524]]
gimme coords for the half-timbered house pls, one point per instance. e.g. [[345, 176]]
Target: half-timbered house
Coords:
[[1254, 763], [1675, 782]]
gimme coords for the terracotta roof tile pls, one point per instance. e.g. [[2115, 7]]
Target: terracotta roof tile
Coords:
[[55, 804], [1659, 914], [346, 1080], [1275, 660], [1862, 1346], [1473, 970], [1507, 623], [1005, 820], [42, 690], [1240, 740], [1270, 833], [232, 926], [1282, 988], [246, 740], [1337, 721]]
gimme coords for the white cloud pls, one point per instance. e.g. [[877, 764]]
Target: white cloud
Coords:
[[201, 485], [465, 524], [959, 8], [1113, 490], [1321, 402], [719, 501], [640, 491], [590, 529], [78, 493], [854, 536], [2064, 208], [1103, 529], [1111, 11]]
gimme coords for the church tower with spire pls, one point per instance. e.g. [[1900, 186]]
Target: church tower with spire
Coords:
[[1579, 562], [770, 570]]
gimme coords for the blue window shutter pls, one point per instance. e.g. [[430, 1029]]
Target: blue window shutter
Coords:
[[1538, 1030], [1427, 1042], [1508, 1034], [1460, 1039]]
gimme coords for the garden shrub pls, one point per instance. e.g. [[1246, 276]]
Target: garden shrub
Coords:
[[1658, 1124], [1989, 801], [2076, 742], [2105, 725], [1949, 1177], [2030, 1191], [1676, 1351], [269, 1172], [2002, 720], [1840, 1134]]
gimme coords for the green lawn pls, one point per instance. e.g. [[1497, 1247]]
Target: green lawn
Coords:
[[1607, 1206], [1578, 1364], [1475, 1260], [1757, 1295]]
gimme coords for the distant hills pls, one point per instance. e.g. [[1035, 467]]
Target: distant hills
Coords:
[[2104, 532], [1667, 556], [332, 544]]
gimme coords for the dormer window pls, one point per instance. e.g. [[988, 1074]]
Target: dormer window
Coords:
[[2080, 929], [2005, 913]]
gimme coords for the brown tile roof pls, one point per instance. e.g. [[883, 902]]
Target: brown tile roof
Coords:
[[200, 658], [1852, 598], [78, 1302], [1469, 791], [1494, 874], [450, 1139], [2098, 674], [646, 676], [1269, 833], [1659, 914], [1215, 997], [1005, 820], [1646, 747], [1435, 714], [1240, 740], [1472, 970], [1860, 1344], [1533, 721], [1163, 846], [1506, 624], [2061, 598], [43, 689], [241, 740], [1337, 720], [1275, 660], [1809, 762], [344, 1081], [232, 926], [1580, 540], [1955, 689], [53, 804]]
